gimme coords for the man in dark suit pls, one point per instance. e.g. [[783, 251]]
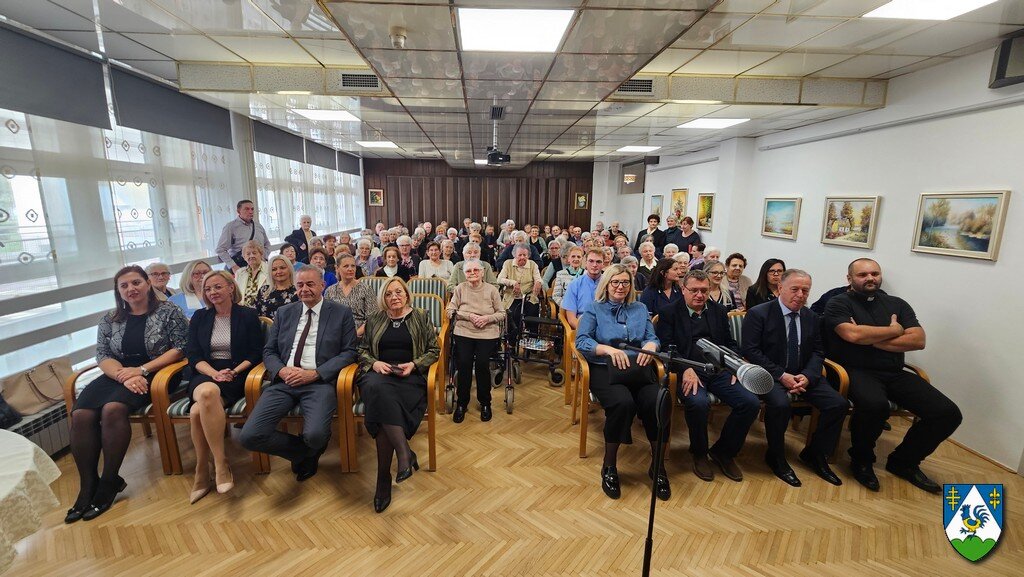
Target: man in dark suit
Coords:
[[682, 325], [310, 343], [784, 337]]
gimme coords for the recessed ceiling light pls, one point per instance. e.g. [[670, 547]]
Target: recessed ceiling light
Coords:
[[697, 101], [294, 92], [638, 149], [482, 161], [335, 115], [491, 30], [376, 144], [926, 9], [713, 123]]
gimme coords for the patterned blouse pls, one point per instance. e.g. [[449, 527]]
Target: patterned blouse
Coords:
[[166, 328], [269, 300], [361, 300]]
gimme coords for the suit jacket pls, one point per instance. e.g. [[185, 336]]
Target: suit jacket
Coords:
[[335, 339], [674, 328], [657, 237], [246, 336], [764, 340], [298, 239]]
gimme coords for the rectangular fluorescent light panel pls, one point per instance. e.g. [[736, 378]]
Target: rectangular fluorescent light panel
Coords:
[[329, 115], [376, 144], [926, 9], [638, 149], [480, 161], [713, 123], [490, 30]]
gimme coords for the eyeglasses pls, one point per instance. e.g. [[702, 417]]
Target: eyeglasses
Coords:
[[775, 271], [698, 291], [619, 283], [717, 272], [159, 274], [199, 274]]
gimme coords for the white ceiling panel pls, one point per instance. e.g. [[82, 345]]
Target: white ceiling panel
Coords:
[[266, 49], [220, 18], [627, 108], [1002, 12], [835, 8], [506, 66], [332, 52], [301, 18], [187, 47], [627, 31], [653, 4], [577, 90], [166, 69], [501, 89], [435, 104], [914, 67], [45, 15], [425, 88], [776, 32], [749, 6], [945, 37], [669, 60], [710, 29], [369, 25], [597, 67], [867, 65], [856, 36], [796, 64], [414, 63], [730, 62]]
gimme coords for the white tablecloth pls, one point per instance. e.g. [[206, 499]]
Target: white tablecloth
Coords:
[[26, 472]]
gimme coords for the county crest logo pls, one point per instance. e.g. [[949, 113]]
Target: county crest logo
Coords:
[[973, 517]]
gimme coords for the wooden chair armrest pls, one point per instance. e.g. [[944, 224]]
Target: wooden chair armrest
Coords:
[[347, 392], [916, 369], [837, 376], [254, 386], [433, 376], [69, 385], [159, 390]]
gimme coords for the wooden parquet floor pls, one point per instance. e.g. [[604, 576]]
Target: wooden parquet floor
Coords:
[[510, 498]]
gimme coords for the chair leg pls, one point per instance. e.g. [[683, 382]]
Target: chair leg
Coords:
[[431, 439], [146, 429], [173, 450], [584, 418]]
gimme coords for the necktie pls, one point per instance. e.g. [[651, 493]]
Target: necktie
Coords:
[[793, 346], [296, 360], [252, 234]]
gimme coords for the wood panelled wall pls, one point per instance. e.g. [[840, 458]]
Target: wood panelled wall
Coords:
[[430, 190]]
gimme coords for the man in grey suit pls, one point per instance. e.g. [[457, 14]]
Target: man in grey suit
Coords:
[[310, 343]]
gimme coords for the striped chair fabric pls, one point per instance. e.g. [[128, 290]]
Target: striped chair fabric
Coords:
[[374, 282], [430, 286], [434, 306]]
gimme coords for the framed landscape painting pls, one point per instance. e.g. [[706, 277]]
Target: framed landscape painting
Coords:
[[850, 221], [967, 224], [657, 204], [678, 208], [781, 217], [705, 210]]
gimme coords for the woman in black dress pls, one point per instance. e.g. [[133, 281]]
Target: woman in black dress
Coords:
[[225, 340], [281, 289], [135, 340], [767, 286], [395, 355]]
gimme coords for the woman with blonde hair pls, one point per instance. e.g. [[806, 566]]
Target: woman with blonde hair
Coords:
[[254, 274], [225, 341], [190, 298], [280, 290]]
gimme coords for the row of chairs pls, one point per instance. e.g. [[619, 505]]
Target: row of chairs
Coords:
[[169, 406]]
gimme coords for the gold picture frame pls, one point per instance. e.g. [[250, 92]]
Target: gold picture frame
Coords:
[[850, 221], [678, 206], [705, 211]]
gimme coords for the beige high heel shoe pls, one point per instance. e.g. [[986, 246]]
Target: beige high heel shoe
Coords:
[[199, 490], [225, 480]]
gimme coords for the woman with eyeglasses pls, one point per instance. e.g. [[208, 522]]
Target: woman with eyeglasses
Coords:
[[254, 274], [718, 293], [767, 286], [190, 299], [624, 382]]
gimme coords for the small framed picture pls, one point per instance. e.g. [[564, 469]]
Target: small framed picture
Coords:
[[678, 208], [376, 197], [705, 210], [850, 221], [966, 224], [657, 204], [781, 218], [582, 200]]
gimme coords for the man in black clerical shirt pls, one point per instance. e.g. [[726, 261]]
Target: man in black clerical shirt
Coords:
[[869, 332]]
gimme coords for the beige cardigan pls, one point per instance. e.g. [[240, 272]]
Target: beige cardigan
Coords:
[[484, 301]]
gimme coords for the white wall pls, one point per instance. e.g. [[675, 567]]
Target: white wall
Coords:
[[968, 307]]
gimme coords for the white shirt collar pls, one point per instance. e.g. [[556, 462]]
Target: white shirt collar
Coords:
[[785, 309], [316, 308]]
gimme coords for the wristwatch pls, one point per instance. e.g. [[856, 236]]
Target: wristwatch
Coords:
[[145, 371]]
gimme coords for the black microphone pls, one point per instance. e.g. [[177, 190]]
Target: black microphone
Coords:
[[668, 360], [752, 377]]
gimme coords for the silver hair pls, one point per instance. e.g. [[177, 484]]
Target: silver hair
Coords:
[[671, 244], [521, 246], [469, 246], [364, 242], [627, 260], [310, 268], [475, 261], [404, 238]]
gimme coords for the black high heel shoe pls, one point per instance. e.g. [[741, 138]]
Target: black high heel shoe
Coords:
[[406, 473], [381, 503], [96, 509]]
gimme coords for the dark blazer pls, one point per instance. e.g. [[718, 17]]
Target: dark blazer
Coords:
[[506, 254], [764, 340], [657, 237], [298, 239], [246, 336], [335, 339], [674, 328]]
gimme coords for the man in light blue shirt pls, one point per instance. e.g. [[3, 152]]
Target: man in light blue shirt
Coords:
[[580, 292]]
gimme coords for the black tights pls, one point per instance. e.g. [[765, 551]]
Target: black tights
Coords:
[[390, 441], [92, 431]]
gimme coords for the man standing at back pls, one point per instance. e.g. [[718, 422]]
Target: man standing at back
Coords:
[[869, 331], [239, 231]]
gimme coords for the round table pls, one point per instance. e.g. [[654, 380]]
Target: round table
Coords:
[[26, 472]]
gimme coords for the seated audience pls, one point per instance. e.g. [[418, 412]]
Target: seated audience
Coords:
[[448, 251], [521, 279], [279, 291], [663, 290], [395, 356], [318, 258], [433, 266], [190, 299], [737, 282], [288, 251], [819, 305], [471, 252], [159, 276], [624, 382], [671, 250], [364, 259], [135, 340], [868, 333], [719, 290], [647, 259], [357, 296], [518, 237], [697, 256], [393, 266], [581, 291], [254, 274], [552, 262], [538, 243], [621, 253], [225, 340], [639, 280], [767, 286], [330, 246], [573, 269], [712, 254], [408, 258]]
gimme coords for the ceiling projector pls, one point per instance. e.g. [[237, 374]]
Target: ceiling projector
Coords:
[[497, 158]]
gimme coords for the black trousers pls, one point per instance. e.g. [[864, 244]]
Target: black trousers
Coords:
[[319, 401], [871, 392], [778, 409], [516, 312], [474, 355], [625, 395]]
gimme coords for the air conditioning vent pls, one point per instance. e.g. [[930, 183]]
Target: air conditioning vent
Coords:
[[497, 112], [360, 81], [637, 86]]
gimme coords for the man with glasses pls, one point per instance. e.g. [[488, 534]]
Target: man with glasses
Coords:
[[691, 319], [159, 276], [579, 295]]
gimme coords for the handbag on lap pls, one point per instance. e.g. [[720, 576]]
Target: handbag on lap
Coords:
[[38, 388]]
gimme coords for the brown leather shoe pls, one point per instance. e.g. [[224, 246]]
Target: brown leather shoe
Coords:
[[728, 466], [702, 468]]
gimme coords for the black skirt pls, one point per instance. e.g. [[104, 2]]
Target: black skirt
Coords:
[[107, 390], [392, 400], [231, 392]]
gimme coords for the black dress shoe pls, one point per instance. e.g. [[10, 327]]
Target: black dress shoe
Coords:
[[98, 508], [459, 415], [783, 471], [308, 468], [819, 465], [865, 475], [74, 514], [407, 472], [381, 503], [662, 489], [728, 466], [610, 482], [916, 477], [485, 413]]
